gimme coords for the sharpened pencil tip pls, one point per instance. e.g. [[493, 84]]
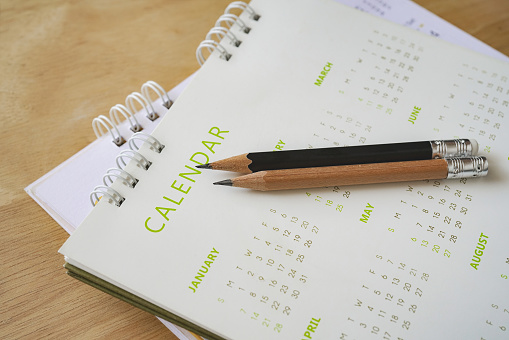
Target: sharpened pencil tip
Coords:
[[204, 166], [227, 182]]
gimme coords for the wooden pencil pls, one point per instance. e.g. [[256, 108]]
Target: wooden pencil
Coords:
[[360, 154], [361, 174]]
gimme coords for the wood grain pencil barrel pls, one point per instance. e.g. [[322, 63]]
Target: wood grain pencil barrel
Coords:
[[361, 174]]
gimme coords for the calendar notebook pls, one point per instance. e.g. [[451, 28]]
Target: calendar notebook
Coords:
[[412, 260], [63, 192]]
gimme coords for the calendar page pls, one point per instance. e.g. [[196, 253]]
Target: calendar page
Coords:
[[426, 259], [410, 14]]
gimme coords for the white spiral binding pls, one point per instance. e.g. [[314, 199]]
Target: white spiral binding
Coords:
[[134, 156], [103, 191], [244, 7], [119, 173], [138, 97], [103, 124], [154, 143], [126, 177], [230, 20], [211, 45], [158, 89], [219, 33], [128, 114]]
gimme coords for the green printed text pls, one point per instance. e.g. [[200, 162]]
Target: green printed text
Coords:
[[280, 145], [200, 275], [479, 251], [367, 213], [311, 329], [414, 114], [323, 74], [180, 187]]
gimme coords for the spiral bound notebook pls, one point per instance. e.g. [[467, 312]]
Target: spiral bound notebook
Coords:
[[47, 191], [413, 260], [63, 191]]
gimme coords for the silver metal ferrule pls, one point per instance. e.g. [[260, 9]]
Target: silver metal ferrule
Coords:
[[467, 167], [453, 148]]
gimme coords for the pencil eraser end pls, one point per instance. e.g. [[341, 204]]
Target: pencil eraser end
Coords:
[[475, 146]]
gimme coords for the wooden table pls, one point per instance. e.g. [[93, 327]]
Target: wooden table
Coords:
[[62, 64]]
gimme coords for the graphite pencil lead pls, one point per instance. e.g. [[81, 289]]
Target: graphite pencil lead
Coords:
[[204, 166], [227, 182]]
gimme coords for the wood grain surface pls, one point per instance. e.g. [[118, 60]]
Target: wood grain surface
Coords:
[[354, 174], [62, 64]]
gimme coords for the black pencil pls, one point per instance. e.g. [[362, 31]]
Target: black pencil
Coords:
[[362, 154], [468, 167]]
